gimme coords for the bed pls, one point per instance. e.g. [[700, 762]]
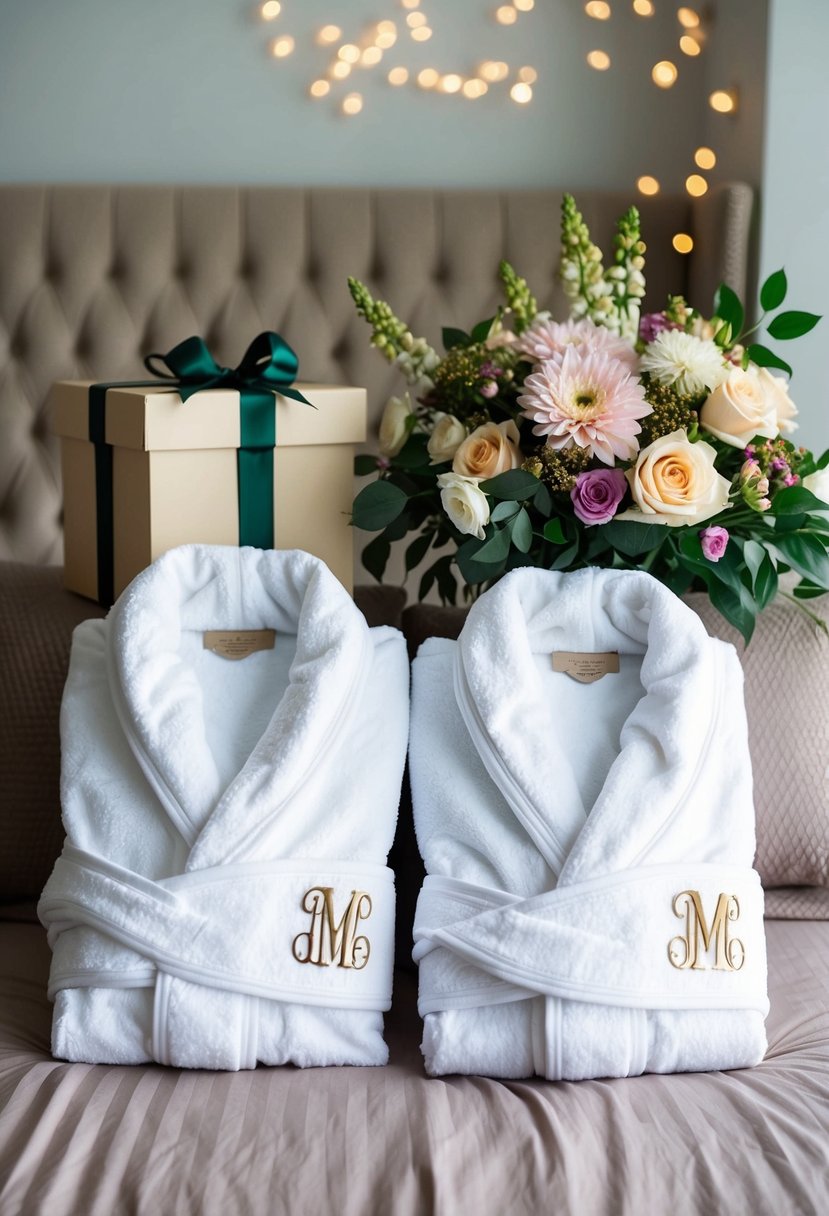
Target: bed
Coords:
[[90, 278]]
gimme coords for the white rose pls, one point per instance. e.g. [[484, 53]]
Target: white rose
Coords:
[[740, 408], [447, 436], [674, 482], [464, 503], [777, 390], [818, 483], [394, 425]]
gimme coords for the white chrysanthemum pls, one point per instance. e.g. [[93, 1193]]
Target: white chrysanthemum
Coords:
[[691, 365]]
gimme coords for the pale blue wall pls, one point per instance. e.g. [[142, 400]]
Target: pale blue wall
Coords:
[[184, 90]]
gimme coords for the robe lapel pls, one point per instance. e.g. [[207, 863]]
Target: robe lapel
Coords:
[[500, 696], [159, 698]]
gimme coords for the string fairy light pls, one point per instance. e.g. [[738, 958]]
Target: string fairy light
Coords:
[[366, 51]]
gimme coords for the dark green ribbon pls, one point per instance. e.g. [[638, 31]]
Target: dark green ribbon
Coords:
[[269, 366]]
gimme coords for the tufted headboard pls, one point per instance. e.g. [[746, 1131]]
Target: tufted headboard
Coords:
[[94, 277]]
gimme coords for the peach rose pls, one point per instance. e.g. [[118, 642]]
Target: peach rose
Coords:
[[740, 408], [489, 450], [674, 482], [777, 389]]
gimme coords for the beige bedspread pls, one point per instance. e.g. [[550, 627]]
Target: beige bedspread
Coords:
[[101, 1141]]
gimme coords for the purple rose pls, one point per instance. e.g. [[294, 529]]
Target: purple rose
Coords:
[[714, 542], [597, 494]]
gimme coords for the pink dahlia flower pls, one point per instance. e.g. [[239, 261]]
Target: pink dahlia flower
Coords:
[[590, 401], [550, 339]]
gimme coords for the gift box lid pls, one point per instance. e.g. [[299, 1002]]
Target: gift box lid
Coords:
[[155, 419]]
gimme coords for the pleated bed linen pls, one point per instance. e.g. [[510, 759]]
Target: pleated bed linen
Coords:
[[222, 897], [590, 907]]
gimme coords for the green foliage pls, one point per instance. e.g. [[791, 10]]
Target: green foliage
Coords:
[[376, 505]]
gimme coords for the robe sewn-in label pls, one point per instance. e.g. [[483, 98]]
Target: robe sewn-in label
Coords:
[[586, 666], [238, 643]]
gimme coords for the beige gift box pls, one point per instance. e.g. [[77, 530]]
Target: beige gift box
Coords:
[[175, 475]]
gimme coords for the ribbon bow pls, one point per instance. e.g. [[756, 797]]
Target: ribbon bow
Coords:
[[268, 366]]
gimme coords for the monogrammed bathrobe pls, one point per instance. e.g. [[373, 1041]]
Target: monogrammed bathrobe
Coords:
[[590, 908], [233, 738]]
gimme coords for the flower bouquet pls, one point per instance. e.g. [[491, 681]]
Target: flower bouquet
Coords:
[[656, 442]]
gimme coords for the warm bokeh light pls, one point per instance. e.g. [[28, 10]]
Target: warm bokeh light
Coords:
[[353, 103], [340, 69], [527, 75], [427, 78], [647, 185], [506, 15], [724, 101], [328, 34], [493, 70], [475, 88], [664, 73], [422, 34], [524, 6], [349, 53], [696, 185], [398, 76], [415, 19], [643, 8], [371, 56], [386, 27], [386, 39], [683, 243], [598, 9], [271, 9], [451, 83], [282, 46], [705, 158], [689, 45], [600, 60], [522, 93], [410, 3], [320, 88], [689, 18]]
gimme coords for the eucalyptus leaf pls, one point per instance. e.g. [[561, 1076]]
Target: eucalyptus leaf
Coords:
[[632, 538], [563, 559], [516, 484], [496, 548], [543, 501], [377, 505], [473, 571], [788, 325], [504, 510], [765, 585], [773, 291], [447, 583], [413, 454], [521, 531]]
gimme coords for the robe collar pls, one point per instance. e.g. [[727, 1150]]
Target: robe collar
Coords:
[[663, 740], [158, 697]]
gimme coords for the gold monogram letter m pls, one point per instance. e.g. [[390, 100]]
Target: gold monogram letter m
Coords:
[[327, 943], [688, 951]]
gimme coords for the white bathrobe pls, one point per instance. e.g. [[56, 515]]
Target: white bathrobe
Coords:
[[223, 896], [590, 908]]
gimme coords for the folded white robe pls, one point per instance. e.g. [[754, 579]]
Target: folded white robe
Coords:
[[565, 828], [223, 897]]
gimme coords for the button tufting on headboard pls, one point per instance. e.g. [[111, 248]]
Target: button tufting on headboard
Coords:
[[93, 277]]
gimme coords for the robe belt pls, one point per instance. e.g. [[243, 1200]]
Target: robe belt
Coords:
[[687, 936], [312, 933]]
